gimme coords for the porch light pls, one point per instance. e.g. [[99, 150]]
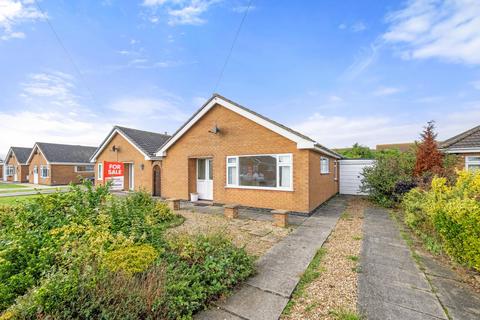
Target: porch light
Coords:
[[142, 166]]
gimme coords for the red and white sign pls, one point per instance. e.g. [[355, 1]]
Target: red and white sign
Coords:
[[113, 172]]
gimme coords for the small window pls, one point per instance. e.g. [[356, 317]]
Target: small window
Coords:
[[85, 168], [324, 165], [472, 163], [44, 171], [10, 171], [100, 171]]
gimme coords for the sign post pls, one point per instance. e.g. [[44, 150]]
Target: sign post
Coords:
[[113, 172]]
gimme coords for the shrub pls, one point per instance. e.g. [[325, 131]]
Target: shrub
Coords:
[[380, 180], [450, 215], [86, 255]]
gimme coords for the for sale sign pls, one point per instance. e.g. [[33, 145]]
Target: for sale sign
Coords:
[[114, 173]]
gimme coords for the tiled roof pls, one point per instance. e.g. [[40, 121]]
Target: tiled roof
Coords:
[[21, 153], [66, 153], [467, 139], [148, 142], [216, 95]]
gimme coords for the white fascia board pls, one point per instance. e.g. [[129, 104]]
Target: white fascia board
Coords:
[[116, 131], [33, 152], [72, 163], [327, 153], [301, 142], [461, 150], [10, 151]]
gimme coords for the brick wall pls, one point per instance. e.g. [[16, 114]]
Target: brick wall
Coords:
[[58, 174], [241, 136], [461, 159], [143, 179], [22, 170]]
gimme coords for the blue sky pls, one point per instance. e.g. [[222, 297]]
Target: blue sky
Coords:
[[339, 71]]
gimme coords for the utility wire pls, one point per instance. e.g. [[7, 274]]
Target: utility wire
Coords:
[[67, 53], [232, 47]]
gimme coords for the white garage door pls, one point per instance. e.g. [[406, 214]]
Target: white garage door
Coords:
[[351, 175]]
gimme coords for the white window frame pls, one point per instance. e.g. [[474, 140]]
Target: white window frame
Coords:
[[85, 165], [322, 159], [277, 188], [469, 161], [100, 171], [335, 170], [10, 171], [41, 172]]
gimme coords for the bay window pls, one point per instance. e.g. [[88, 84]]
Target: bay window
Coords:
[[273, 171], [472, 163]]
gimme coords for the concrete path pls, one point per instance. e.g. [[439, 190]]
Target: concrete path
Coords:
[[265, 295], [391, 284], [33, 192]]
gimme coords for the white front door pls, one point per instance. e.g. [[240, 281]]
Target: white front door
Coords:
[[131, 182], [35, 175], [205, 179], [15, 175]]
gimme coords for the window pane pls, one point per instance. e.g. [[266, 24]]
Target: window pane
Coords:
[[232, 160], [473, 159], [201, 169], [284, 159], [474, 167], [232, 176], [285, 177], [258, 171], [210, 169]]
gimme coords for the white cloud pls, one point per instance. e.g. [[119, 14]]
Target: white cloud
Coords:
[[343, 131], [14, 13], [180, 12], [476, 84], [445, 29], [167, 107], [334, 98], [386, 91], [363, 60], [359, 27]]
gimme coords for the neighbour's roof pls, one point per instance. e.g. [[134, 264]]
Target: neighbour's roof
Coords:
[[406, 146], [21, 153], [65, 153], [146, 141], [467, 139], [219, 98]]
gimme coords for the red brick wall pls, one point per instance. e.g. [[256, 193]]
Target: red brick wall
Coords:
[[241, 136], [22, 170]]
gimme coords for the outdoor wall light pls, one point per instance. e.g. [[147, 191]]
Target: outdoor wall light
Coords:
[[214, 130], [142, 166], [115, 148]]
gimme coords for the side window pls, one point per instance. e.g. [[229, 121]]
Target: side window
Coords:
[[324, 165]]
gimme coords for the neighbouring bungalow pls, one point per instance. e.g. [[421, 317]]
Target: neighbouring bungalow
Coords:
[[466, 146], [15, 168], [1, 169], [136, 150], [226, 153], [59, 164]]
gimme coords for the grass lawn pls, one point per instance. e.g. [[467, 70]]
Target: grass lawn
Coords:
[[11, 186], [16, 190], [12, 200]]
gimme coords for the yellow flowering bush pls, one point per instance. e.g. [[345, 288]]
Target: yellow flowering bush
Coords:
[[450, 214], [131, 259]]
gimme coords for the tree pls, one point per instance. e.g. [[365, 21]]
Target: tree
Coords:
[[358, 151], [428, 158]]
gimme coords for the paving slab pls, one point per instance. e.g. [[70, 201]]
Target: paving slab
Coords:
[[407, 295], [252, 303], [265, 295]]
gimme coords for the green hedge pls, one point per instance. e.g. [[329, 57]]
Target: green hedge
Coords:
[[88, 255], [449, 215]]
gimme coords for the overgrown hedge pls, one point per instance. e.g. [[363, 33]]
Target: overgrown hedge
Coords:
[[449, 215], [87, 255]]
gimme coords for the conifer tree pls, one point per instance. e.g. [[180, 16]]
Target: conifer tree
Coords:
[[428, 157]]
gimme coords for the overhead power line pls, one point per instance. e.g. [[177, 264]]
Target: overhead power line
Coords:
[[232, 46], [65, 50]]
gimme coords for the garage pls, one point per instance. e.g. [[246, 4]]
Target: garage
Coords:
[[351, 175]]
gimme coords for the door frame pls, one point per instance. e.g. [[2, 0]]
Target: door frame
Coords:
[[155, 192], [35, 174], [131, 176], [207, 177]]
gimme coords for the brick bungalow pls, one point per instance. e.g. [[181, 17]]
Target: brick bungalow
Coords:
[[466, 146], [1, 170], [227, 153], [136, 149], [59, 164], [15, 166]]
